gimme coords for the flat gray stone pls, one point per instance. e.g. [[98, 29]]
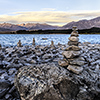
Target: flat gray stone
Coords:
[[73, 47], [71, 54], [75, 69], [63, 63], [74, 34], [73, 43], [77, 61]]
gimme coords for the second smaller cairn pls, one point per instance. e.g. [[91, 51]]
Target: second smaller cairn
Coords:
[[0, 46], [72, 60], [52, 43], [33, 41], [19, 44]]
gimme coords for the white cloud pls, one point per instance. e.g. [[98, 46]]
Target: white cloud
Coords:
[[48, 9], [52, 17]]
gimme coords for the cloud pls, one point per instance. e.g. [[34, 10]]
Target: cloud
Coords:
[[48, 9], [52, 17]]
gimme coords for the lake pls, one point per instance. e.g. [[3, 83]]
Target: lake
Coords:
[[26, 39]]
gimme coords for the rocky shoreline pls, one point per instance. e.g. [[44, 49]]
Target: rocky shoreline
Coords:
[[11, 59], [53, 72]]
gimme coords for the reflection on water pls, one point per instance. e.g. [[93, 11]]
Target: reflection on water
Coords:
[[26, 39]]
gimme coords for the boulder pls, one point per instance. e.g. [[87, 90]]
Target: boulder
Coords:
[[4, 87], [45, 82]]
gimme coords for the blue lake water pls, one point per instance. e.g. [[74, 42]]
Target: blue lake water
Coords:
[[26, 39]]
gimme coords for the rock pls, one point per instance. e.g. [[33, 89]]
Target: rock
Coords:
[[74, 34], [3, 75], [77, 61], [52, 43], [97, 86], [12, 90], [3, 92], [0, 46], [63, 63], [73, 47], [33, 41], [7, 96], [11, 71], [46, 56], [75, 69], [4, 87], [44, 38], [73, 43], [71, 54], [19, 44], [32, 61], [86, 43], [45, 82], [73, 39]]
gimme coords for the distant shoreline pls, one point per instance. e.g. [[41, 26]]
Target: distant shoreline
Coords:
[[93, 30]]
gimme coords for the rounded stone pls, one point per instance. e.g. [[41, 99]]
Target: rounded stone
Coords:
[[74, 34], [73, 39]]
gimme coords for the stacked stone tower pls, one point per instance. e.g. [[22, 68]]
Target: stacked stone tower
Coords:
[[0, 46], [19, 44], [72, 60], [33, 41]]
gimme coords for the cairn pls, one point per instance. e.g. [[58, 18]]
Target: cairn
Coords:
[[33, 41], [0, 46], [19, 44], [52, 43], [72, 60]]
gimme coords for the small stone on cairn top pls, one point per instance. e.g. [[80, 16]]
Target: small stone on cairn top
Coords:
[[72, 60], [19, 44]]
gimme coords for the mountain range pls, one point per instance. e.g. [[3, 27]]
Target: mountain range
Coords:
[[81, 24], [28, 26], [84, 24]]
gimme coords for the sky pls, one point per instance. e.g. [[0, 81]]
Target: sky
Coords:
[[53, 12]]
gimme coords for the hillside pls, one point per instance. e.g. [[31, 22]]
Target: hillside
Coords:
[[28, 26], [84, 24]]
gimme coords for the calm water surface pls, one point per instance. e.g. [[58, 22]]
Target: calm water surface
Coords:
[[26, 39]]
